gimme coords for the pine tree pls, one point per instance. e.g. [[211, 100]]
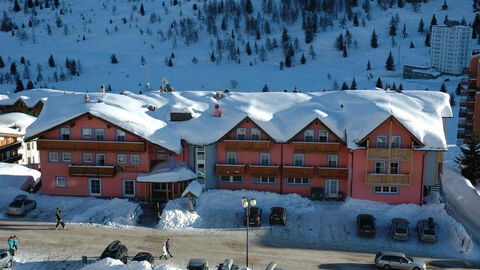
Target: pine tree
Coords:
[[373, 40], [355, 20], [249, 7], [400, 88], [30, 85], [288, 60], [311, 51], [393, 27], [369, 66], [452, 100], [339, 42], [2, 64], [389, 64], [379, 83], [427, 40], [344, 86], [212, 57], [19, 86], [404, 32], [16, 6], [353, 86], [421, 26], [433, 22], [13, 69], [142, 61], [67, 63], [109, 88], [303, 60], [394, 87], [444, 6], [308, 36], [443, 88], [248, 49], [113, 59], [469, 162], [400, 3], [51, 62], [344, 53], [142, 10], [170, 63], [459, 89], [411, 45]]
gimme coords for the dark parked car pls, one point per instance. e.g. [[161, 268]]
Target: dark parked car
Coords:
[[400, 229], [21, 205], [197, 264], [366, 225], [426, 230], [278, 216], [255, 217], [144, 256], [116, 250]]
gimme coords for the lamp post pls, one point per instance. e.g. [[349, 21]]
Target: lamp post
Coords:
[[247, 203]]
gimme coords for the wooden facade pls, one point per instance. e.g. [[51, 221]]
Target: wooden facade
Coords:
[[247, 145], [74, 145], [316, 147], [230, 170], [388, 179], [337, 173], [294, 171], [264, 171], [101, 171]]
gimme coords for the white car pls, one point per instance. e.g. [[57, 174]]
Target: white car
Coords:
[[397, 260], [21, 205], [6, 259]]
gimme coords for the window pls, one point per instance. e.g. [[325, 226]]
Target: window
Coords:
[[396, 141], [322, 135], [120, 135], [332, 161], [28, 146], [264, 180], [65, 133], [241, 134], [100, 134], [87, 157], [231, 179], [298, 181], [134, 159], [159, 186], [298, 160], [86, 133], [255, 134], [67, 157], [128, 188], [385, 189], [122, 158], [265, 159], [380, 167], [100, 159], [53, 156], [61, 181], [95, 186], [161, 155], [381, 141], [394, 168], [231, 158], [308, 135]]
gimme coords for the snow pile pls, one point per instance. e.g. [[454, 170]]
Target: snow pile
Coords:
[[324, 224], [112, 264], [15, 123]]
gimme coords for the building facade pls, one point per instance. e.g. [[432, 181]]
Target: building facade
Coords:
[[469, 103], [450, 48]]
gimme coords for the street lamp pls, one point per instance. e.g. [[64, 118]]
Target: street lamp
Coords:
[[247, 203]]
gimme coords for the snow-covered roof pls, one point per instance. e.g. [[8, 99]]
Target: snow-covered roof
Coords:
[[193, 188], [163, 173], [32, 97], [7, 170], [15, 123], [350, 114]]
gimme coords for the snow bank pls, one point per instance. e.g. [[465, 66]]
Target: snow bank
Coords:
[[112, 264]]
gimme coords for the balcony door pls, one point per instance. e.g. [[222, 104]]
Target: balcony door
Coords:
[[100, 159], [331, 188]]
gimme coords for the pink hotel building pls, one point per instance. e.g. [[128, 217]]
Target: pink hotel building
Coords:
[[99, 154]]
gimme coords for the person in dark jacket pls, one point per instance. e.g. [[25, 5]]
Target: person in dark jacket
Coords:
[[58, 215], [167, 246]]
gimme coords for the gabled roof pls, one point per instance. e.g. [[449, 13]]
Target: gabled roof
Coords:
[[241, 122], [326, 127]]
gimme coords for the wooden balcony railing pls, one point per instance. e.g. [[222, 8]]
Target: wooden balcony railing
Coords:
[[390, 179], [44, 144], [396, 153], [83, 170], [313, 147], [265, 171], [230, 169], [296, 171], [247, 145], [327, 172], [8, 147], [12, 159]]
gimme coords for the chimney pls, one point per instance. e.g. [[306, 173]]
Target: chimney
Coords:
[[218, 112], [87, 98], [102, 89]]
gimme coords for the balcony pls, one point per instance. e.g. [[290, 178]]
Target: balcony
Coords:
[[390, 179], [72, 145], [337, 173], [247, 145], [265, 171], [314, 147], [230, 169], [11, 146], [99, 171], [395, 153], [13, 159], [297, 171]]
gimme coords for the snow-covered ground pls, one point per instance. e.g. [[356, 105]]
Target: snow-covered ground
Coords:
[[112, 264]]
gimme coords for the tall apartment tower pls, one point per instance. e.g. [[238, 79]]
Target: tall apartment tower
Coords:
[[450, 48]]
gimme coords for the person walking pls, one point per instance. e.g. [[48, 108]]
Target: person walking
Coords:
[[58, 215], [11, 245], [15, 242], [167, 247], [164, 250]]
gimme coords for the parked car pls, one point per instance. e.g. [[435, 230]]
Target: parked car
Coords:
[[21, 205], [366, 225], [144, 256], [278, 215], [397, 260], [197, 264], [426, 230], [255, 217], [400, 229], [6, 259], [116, 250]]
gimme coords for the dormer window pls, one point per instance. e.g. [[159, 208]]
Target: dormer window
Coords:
[[241, 134], [65, 133], [100, 134], [396, 141], [381, 141], [322, 135], [120, 135], [308, 135], [255, 134]]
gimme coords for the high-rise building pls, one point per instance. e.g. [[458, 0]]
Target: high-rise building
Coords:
[[450, 48]]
